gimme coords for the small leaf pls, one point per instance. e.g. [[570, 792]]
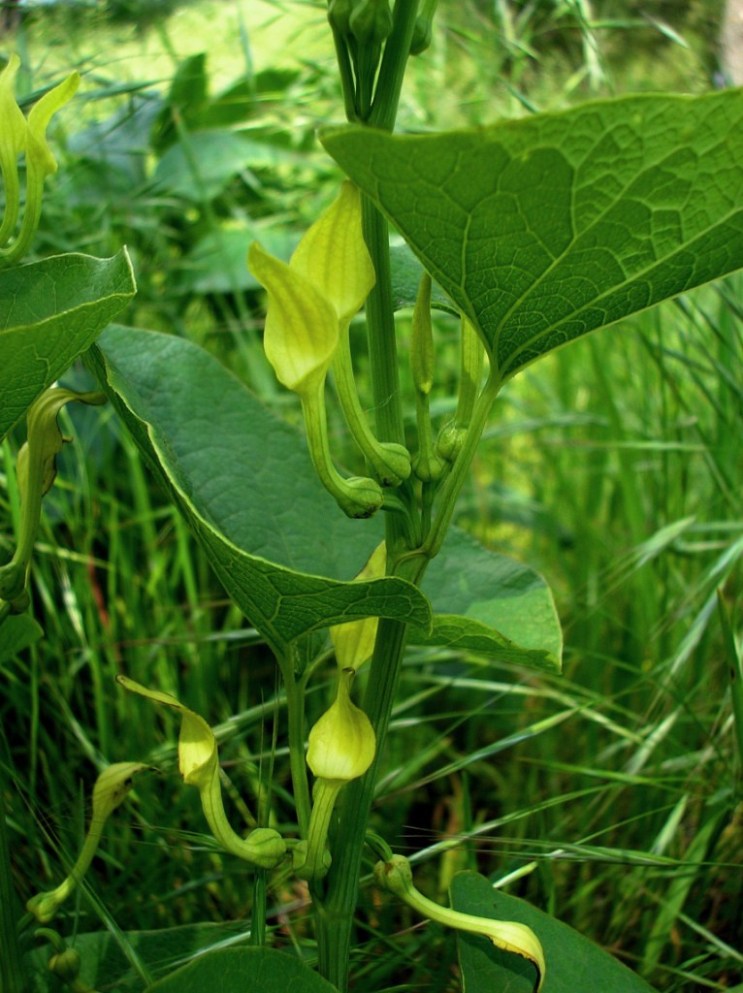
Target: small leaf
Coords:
[[51, 312], [543, 229]]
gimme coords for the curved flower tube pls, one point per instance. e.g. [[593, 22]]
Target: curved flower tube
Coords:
[[198, 761], [395, 875]]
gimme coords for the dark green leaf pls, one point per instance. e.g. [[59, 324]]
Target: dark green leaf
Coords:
[[488, 603], [107, 958], [244, 970], [245, 482], [543, 229], [51, 312], [574, 964]]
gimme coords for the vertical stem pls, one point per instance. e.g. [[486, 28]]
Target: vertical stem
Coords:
[[335, 922], [295, 709], [336, 912], [258, 922], [12, 978]]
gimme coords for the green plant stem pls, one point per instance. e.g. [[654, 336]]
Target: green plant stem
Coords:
[[392, 68], [295, 690], [12, 977], [380, 321], [258, 922], [450, 489], [335, 920]]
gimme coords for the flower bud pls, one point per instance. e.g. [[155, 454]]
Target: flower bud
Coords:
[[65, 965]]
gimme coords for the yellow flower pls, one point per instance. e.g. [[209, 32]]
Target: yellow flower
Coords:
[[313, 298], [198, 761], [18, 135], [354, 641], [342, 744]]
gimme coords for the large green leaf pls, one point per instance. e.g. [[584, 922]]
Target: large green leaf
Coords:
[[545, 228], [51, 312], [244, 480], [488, 603], [574, 964], [244, 970]]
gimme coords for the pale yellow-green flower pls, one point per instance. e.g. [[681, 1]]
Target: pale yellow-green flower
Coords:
[[395, 875], [110, 790], [341, 747], [19, 135], [198, 761], [353, 641], [314, 297], [310, 305], [341, 744]]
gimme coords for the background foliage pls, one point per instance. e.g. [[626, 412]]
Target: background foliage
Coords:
[[609, 796]]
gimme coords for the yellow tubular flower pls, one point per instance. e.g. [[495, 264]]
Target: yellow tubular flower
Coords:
[[13, 130], [396, 876], [111, 788], [325, 283], [198, 761], [353, 642], [341, 748], [342, 743]]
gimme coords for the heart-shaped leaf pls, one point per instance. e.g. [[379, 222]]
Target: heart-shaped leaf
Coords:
[[543, 229], [51, 312], [245, 482]]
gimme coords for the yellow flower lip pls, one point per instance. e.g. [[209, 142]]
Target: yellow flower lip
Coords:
[[197, 746], [313, 298], [198, 762]]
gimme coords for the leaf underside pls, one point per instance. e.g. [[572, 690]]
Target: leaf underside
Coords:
[[543, 229]]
